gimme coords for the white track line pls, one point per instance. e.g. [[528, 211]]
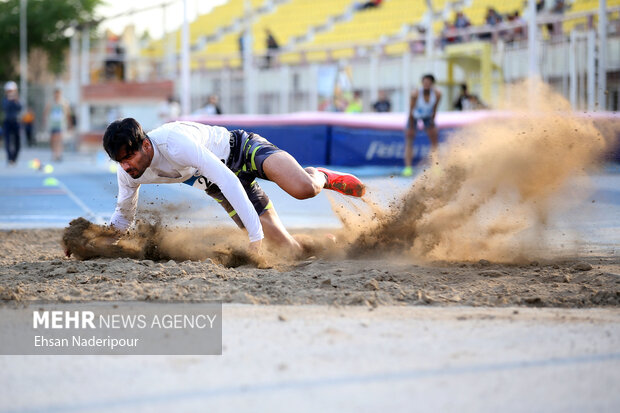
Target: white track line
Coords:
[[96, 218]]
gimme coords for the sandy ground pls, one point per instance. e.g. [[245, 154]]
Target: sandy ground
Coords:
[[34, 267]]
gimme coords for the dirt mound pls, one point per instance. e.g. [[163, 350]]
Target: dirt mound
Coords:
[[152, 241], [149, 241]]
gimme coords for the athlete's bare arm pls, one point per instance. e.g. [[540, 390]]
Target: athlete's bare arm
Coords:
[[438, 94], [410, 121]]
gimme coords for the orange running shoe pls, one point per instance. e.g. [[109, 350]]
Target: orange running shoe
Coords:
[[344, 183]]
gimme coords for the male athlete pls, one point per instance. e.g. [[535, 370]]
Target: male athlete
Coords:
[[225, 164], [422, 107]]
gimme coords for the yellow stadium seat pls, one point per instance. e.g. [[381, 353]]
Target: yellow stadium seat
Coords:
[[397, 48], [371, 25]]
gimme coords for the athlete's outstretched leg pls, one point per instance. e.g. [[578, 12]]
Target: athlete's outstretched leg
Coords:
[[409, 138], [433, 135], [301, 183], [276, 234], [298, 182]]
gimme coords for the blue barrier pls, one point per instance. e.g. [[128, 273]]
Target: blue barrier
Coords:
[[355, 147], [344, 146], [371, 138], [308, 144]]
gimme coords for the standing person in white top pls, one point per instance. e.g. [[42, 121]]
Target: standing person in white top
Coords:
[[211, 107], [57, 121], [225, 164], [422, 108], [169, 110]]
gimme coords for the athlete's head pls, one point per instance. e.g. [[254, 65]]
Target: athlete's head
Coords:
[[126, 143], [10, 88], [428, 81]]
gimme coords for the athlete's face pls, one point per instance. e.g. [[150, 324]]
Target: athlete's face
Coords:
[[427, 83], [135, 163]]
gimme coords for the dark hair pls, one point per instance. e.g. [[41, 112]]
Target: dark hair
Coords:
[[429, 77], [464, 87], [124, 133]]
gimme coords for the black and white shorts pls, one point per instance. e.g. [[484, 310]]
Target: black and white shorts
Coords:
[[248, 152]]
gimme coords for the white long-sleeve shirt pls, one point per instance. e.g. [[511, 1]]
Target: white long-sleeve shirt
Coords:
[[182, 150]]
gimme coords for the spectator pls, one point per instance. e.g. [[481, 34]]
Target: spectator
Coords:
[[341, 103], [383, 104], [241, 42], [369, 5], [356, 105], [462, 102], [467, 101], [559, 7], [72, 118], [272, 47], [57, 117], [114, 65], [211, 107], [28, 123], [461, 22], [518, 32], [448, 34], [11, 107], [169, 110], [422, 109], [492, 19]]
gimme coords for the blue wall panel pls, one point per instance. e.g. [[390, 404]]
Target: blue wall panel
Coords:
[[355, 147], [308, 144]]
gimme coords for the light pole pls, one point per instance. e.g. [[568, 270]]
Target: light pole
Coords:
[[185, 94], [602, 54], [532, 38], [23, 52], [248, 64]]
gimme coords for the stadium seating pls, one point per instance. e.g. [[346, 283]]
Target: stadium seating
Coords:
[[293, 21], [585, 5], [370, 25], [477, 12], [288, 20], [205, 25]]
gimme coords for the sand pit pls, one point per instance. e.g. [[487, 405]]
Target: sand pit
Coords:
[[33, 267]]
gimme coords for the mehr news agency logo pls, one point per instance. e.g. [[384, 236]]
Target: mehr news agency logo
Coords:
[[87, 320]]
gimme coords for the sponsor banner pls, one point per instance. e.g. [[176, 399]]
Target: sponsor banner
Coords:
[[357, 147], [111, 328]]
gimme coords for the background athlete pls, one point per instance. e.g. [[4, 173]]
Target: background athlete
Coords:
[[422, 107], [223, 163]]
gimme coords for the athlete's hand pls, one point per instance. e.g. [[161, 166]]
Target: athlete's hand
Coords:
[[256, 254], [255, 247]]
